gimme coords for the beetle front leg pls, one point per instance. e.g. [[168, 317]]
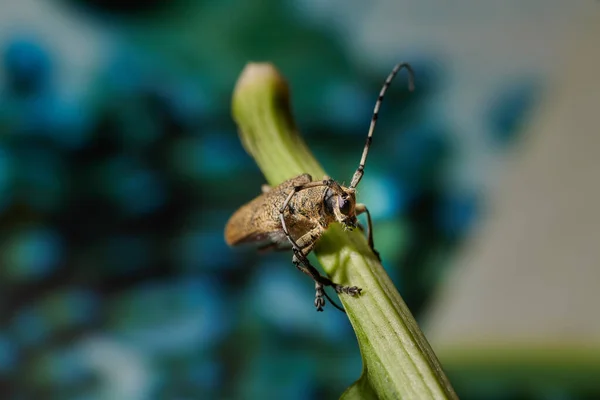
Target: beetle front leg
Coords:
[[361, 208], [306, 243], [308, 240], [302, 263]]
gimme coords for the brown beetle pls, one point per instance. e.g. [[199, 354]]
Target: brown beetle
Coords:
[[294, 214]]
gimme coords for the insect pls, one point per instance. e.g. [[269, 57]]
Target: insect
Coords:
[[294, 214]]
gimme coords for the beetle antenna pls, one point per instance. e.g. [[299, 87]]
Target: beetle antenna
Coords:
[[411, 86]]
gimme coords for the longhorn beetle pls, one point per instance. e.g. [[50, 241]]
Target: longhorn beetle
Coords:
[[294, 214]]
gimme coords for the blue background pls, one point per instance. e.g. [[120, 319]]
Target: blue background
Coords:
[[120, 164]]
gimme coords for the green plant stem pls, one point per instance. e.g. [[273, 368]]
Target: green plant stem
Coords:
[[398, 362]]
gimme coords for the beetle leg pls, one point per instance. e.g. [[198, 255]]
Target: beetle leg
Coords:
[[360, 226], [361, 208], [308, 240], [306, 243], [302, 263], [301, 249]]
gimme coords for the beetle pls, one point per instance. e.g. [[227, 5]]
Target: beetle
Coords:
[[294, 214]]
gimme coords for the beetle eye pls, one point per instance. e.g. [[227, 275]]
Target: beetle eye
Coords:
[[344, 205]]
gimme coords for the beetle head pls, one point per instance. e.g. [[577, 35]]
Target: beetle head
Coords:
[[340, 202]]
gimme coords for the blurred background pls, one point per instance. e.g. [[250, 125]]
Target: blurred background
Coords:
[[120, 164]]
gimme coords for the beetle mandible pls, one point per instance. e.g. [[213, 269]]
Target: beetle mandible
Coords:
[[294, 214]]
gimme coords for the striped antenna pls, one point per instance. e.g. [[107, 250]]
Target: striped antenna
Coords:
[[411, 86]]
